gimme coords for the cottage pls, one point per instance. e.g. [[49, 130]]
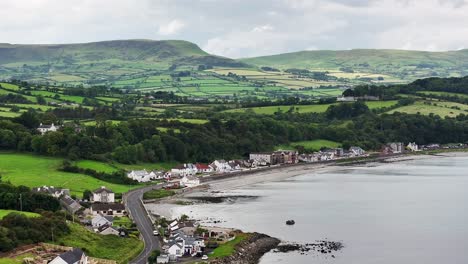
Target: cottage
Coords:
[[412, 146], [47, 128], [139, 175], [235, 165], [69, 204], [203, 168], [103, 195], [55, 192], [101, 220], [190, 181], [221, 166], [75, 256], [356, 151], [181, 244], [114, 209], [285, 157]]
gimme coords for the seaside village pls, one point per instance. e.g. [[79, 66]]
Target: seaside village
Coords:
[[106, 214]]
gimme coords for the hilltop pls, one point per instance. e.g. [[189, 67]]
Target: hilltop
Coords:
[[104, 60], [402, 64]]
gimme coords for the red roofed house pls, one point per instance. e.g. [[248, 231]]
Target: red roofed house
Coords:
[[203, 168]]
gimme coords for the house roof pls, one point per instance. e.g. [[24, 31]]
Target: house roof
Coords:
[[105, 227], [139, 172], [103, 189], [72, 256], [107, 207], [202, 166]]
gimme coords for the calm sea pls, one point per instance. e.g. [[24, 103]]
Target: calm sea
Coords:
[[410, 212]]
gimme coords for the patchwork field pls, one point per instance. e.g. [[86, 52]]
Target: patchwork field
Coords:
[[39, 170], [441, 109]]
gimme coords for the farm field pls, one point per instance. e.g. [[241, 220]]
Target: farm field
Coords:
[[441, 109], [191, 121], [311, 145], [146, 166], [39, 170], [100, 246], [96, 165], [4, 213], [318, 108]]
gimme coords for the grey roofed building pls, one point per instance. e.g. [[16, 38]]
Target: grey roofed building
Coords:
[[71, 205], [75, 256]]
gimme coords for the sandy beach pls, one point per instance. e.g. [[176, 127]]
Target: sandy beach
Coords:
[[218, 187]]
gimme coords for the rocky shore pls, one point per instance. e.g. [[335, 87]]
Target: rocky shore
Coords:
[[250, 250]]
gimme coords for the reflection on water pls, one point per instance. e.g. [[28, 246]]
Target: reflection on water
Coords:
[[411, 212]]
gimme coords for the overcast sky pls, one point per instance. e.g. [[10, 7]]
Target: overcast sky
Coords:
[[243, 28]]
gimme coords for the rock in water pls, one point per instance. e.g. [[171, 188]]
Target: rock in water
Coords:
[[290, 222]]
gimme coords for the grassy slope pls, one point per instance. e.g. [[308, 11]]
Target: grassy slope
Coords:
[[157, 194], [442, 109], [38, 170], [107, 247], [228, 248], [269, 110], [312, 145], [4, 213], [379, 60]]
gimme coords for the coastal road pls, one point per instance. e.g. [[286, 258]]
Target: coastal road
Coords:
[[134, 205]]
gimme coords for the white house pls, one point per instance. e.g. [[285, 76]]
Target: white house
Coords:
[[100, 220], [412, 146], [220, 166], [356, 151], [185, 169], [176, 248], [103, 195], [190, 181], [395, 147], [75, 256], [139, 175], [47, 128], [203, 168]]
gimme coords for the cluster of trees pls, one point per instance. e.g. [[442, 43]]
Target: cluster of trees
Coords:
[[17, 229], [22, 198], [14, 99]]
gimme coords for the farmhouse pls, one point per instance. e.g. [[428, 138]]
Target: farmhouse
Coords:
[[114, 209], [103, 195], [47, 128], [107, 230], [75, 256]]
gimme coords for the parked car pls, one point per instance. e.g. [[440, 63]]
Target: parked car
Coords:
[[155, 233], [205, 257]]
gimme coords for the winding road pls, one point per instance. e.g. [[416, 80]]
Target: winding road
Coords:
[[133, 203]]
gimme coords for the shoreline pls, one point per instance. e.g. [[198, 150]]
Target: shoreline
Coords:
[[215, 187]]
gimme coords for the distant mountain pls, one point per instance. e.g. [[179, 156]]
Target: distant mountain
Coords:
[[103, 59], [407, 65]]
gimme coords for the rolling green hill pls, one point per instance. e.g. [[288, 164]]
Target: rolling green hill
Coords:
[[402, 64], [101, 61]]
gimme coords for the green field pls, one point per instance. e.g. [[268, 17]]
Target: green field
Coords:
[[4, 213], [441, 109], [96, 165], [311, 145], [16, 260], [146, 166], [429, 93], [229, 247], [191, 121], [317, 108], [34, 171], [107, 247]]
